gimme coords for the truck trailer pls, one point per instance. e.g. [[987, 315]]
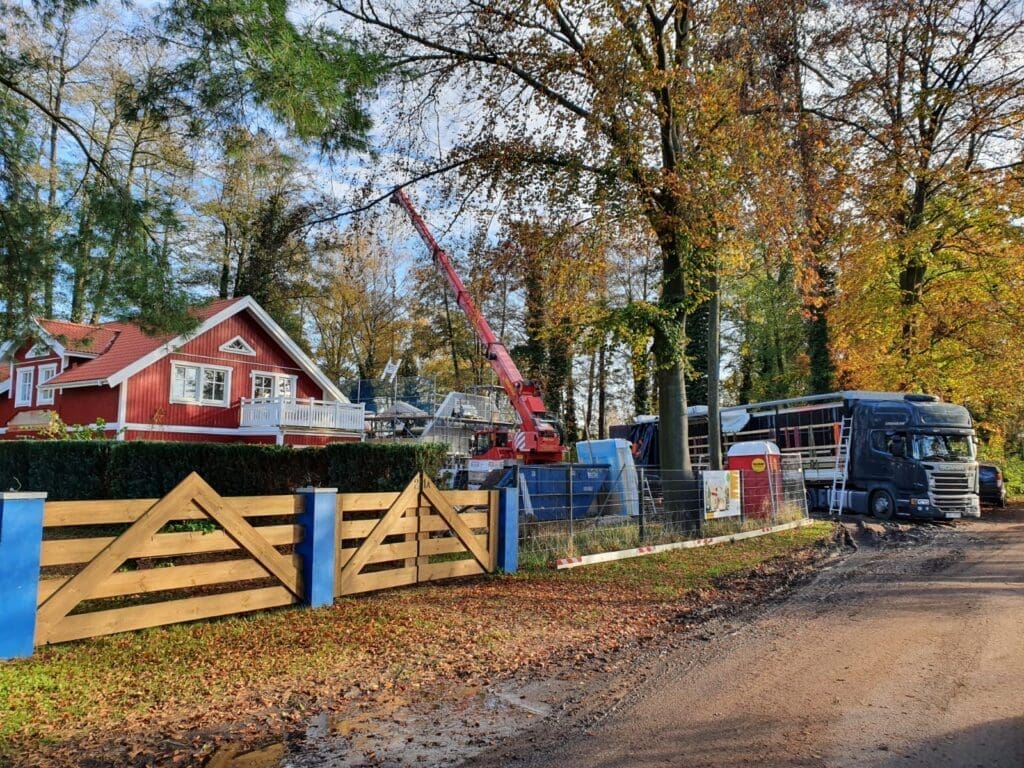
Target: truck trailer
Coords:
[[881, 453]]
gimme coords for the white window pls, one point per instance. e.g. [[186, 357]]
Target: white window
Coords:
[[238, 346], [25, 379], [200, 384], [270, 385], [286, 386], [45, 396], [262, 386]]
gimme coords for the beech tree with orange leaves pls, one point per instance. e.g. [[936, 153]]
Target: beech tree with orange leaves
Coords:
[[930, 97]]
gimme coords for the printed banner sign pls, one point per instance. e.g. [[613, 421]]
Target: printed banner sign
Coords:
[[721, 494]]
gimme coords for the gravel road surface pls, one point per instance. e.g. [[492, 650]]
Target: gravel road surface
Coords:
[[909, 652]]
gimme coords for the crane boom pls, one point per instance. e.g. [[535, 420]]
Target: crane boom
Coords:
[[538, 441]]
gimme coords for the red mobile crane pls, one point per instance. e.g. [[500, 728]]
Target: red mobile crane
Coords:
[[539, 439]]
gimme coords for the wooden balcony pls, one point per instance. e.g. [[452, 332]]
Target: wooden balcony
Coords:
[[301, 413]]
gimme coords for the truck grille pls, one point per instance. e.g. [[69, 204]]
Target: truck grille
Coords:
[[950, 491]]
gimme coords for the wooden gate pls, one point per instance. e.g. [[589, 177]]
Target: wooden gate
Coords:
[[421, 534], [95, 583]]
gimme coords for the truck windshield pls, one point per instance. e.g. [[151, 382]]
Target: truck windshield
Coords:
[[943, 447]]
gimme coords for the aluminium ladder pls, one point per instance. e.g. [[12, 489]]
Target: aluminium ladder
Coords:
[[837, 499]]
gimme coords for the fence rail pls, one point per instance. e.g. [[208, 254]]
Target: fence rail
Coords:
[[658, 507], [303, 413], [87, 568], [96, 569], [81, 569]]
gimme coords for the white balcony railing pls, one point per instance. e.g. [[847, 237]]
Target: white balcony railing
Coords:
[[300, 412]]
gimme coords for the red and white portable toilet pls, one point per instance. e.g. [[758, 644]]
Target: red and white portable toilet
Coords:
[[760, 465]]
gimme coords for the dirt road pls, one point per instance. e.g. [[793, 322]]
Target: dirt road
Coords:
[[897, 656], [906, 653]]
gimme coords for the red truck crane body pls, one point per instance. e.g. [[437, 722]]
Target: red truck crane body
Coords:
[[537, 441]]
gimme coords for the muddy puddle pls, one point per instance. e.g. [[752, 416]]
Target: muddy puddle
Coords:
[[404, 731]]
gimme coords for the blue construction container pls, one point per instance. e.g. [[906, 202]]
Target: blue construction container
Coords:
[[545, 491], [617, 455]]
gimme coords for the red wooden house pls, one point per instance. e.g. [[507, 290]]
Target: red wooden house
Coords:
[[237, 377]]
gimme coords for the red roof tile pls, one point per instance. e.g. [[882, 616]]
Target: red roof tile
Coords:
[[128, 344], [79, 337]]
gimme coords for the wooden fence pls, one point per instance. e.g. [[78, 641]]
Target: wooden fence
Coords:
[[133, 571], [420, 534], [113, 566]]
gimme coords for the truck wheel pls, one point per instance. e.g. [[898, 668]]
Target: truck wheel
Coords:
[[882, 505]]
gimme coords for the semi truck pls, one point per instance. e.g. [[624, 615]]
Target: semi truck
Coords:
[[887, 454]]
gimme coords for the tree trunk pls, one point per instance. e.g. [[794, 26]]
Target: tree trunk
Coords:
[[698, 333], [588, 418], [714, 361], [641, 381], [602, 391]]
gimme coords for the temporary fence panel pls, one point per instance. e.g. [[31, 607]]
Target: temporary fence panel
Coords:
[[670, 506], [420, 534], [112, 566]]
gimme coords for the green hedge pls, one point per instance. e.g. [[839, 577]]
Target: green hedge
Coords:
[[81, 469], [73, 469], [380, 466]]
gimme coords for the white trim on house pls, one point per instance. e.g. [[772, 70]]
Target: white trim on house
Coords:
[[122, 408], [266, 322], [38, 351], [19, 396], [179, 429], [78, 384], [202, 368], [237, 346], [45, 395]]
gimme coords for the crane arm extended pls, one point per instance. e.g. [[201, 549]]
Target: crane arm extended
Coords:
[[538, 441]]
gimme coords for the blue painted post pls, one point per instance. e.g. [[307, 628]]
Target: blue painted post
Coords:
[[508, 529], [317, 547], [21, 538]]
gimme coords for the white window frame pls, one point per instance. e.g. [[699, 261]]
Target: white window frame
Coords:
[[45, 397], [244, 348], [202, 368], [23, 394], [277, 377]]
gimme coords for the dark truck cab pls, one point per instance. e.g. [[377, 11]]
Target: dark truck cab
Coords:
[[914, 457]]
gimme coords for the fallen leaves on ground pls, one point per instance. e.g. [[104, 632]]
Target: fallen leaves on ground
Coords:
[[169, 696]]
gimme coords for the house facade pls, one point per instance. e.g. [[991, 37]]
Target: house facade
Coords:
[[237, 377]]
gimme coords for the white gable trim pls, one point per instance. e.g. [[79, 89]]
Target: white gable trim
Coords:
[[39, 350], [237, 346], [331, 392]]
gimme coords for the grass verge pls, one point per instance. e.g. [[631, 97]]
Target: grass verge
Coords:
[[125, 692]]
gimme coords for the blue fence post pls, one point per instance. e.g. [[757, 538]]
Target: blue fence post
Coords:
[[21, 538], [317, 547], [508, 529]]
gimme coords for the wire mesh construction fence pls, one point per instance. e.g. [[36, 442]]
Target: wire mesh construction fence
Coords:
[[580, 510]]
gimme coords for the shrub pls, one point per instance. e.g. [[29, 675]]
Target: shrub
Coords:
[[65, 469], [140, 470], [380, 466], [103, 469]]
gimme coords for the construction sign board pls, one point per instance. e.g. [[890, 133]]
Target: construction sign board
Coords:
[[721, 494]]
